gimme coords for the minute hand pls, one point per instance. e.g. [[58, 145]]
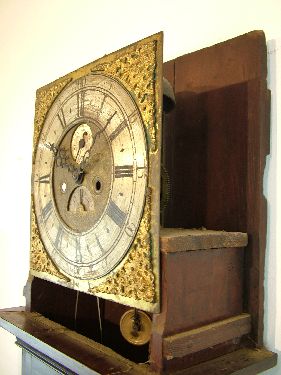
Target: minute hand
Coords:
[[98, 133], [61, 159]]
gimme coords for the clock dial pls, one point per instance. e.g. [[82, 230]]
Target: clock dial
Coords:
[[90, 176], [81, 143]]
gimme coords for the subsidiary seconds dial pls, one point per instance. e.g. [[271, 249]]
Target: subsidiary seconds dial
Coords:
[[87, 225]]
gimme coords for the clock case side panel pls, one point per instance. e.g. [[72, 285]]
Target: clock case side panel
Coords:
[[219, 133], [151, 111]]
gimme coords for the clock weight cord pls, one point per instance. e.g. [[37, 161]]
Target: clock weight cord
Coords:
[[100, 321], [99, 315], [61, 159], [75, 311]]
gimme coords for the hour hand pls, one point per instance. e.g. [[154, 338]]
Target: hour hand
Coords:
[[62, 160], [60, 155], [51, 147], [85, 159], [89, 161]]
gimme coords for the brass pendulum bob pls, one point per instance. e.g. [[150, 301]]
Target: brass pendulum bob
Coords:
[[135, 327]]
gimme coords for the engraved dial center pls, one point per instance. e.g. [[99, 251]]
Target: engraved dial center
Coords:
[[80, 207], [81, 201], [82, 141]]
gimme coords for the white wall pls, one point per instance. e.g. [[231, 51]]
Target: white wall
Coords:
[[272, 185], [42, 40]]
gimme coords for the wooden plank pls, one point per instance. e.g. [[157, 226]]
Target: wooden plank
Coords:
[[216, 153], [210, 132], [82, 355], [74, 351], [176, 240], [246, 361], [198, 339], [258, 148], [226, 155], [79, 311], [73, 309], [199, 287], [185, 160], [236, 60], [168, 140]]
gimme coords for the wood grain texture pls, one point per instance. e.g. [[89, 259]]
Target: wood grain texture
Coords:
[[236, 60], [175, 240], [245, 361], [65, 346], [200, 287], [74, 310], [207, 336], [258, 148], [78, 353], [167, 134], [216, 150], [79, 311]]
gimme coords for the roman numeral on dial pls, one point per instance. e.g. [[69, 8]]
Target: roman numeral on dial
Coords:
[[47, 211], [79, 257], [44, 179], [58, 240], [116, 214], [61, 118], [107, 123], [122, 171], [99, 244], [80, 103], [118, 130], [102, 103]]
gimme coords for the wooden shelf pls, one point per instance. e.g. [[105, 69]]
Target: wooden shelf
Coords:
[[72, 351], [175, 239]]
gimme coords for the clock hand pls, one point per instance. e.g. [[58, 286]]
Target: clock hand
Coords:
[[82, 207], [81, 145], [61, 159], [103, 129], [86, 156]]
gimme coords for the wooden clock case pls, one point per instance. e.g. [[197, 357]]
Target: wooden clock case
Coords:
[[214, 149]]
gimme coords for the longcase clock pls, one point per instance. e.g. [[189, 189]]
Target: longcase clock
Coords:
[[102, 162]]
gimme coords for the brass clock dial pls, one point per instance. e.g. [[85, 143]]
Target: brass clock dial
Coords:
[[88, 224], [96, 177]]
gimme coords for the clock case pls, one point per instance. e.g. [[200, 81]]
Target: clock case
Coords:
[[215, 145]]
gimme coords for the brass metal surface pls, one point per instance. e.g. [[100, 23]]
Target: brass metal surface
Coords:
[[40, 261], [44, 99], [135, 327], [135, 280]]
